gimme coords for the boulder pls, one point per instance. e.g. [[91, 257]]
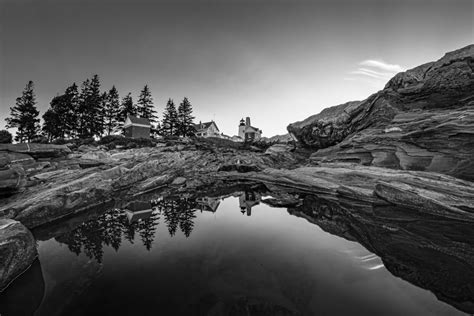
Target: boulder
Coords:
[[279, 149], [12, 158], [96, 155], [427, 141], [37, 150], [24, 296], [11, 180], [178, 181], [422, 120], [17, 250]]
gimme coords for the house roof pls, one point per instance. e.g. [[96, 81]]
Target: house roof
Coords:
[[204, 126], [139, 120]]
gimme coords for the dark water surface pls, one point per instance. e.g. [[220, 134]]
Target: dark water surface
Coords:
[[210, 256]]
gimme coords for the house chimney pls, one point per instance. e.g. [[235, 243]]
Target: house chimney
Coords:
[[247, 121]]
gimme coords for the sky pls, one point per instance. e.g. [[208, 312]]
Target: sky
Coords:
[[275, 61]]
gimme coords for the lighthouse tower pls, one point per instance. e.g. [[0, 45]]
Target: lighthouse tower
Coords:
[[242, 129]]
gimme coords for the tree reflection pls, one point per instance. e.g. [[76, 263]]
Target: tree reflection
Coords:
[[138, 218], [178, 213]]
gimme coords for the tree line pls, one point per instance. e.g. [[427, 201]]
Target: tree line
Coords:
[[86, 111]]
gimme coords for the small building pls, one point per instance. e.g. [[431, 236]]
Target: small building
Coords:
[[207, 129], [247, 132], [136, 127]]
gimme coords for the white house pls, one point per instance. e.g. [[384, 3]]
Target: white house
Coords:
[[207, 129]]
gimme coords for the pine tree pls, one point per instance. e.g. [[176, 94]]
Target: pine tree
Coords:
[[24, 115], [169, 125], [82, 109], [185, 118], [96, 108], [60, 120], [127, 108], [111, 111], [91, 120], [52, 124], [71, 116], [145, 107]]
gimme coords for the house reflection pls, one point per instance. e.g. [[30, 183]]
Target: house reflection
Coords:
[[138, 210], [208, 204], [247, 200]]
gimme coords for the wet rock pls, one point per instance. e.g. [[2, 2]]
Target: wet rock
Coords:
[[17, 250], [422, 120]]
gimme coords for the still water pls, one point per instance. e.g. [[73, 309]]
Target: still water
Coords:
[[209, 256]]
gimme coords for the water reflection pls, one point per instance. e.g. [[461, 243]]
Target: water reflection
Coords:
[[431, 253], [142, 218]]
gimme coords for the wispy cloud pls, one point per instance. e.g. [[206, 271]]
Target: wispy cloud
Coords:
[[379, 64], [374, 72]]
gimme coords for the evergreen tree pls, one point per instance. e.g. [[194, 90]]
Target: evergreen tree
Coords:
[[185, 118], [24, 115], [111, 111], [51, 125], [145, 107], [83, 109], [103, 104], [90, 108], [61, 119], [127, 108], [169, 123], [70, 117]]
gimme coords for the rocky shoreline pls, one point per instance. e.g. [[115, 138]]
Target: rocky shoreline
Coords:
[[408, 148]]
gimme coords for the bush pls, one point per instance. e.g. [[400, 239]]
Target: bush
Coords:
[[144, 142], [5, 137], [112, 141], [84, 141], [110, 138]]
